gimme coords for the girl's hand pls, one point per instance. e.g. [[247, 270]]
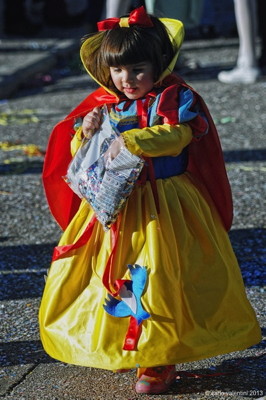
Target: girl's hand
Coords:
[[91, 122], [114, 149]]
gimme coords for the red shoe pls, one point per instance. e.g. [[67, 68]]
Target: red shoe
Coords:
[[155, 380]]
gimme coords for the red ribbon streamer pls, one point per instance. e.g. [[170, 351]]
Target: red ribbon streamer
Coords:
[[148, 170], [107, 276], [132, 335], [84, 238]]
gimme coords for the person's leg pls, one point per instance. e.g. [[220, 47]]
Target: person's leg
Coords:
[[150, 6], [246, 70], [247, 28], [262, 32], [116, 8]]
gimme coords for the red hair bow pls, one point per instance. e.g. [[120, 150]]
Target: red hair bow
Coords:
[[136, 17]]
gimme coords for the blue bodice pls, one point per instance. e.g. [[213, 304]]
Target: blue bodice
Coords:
[[123, 117]]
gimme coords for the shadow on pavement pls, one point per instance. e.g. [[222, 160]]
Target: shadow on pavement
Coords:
[[24, 267], [242, 375], [22, 270], [36, 166], [23, 353], [235, 156], [210, 72], [250, 250], [22, 167], [201, 73]]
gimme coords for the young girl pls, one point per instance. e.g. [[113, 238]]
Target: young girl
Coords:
[[162, 286]]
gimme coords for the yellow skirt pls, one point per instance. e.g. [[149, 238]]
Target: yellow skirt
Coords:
[[194, 293]]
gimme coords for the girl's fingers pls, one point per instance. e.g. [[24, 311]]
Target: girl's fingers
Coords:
[[97, 110], [114, 149], [96, 115], [88, 133], [91, 122]]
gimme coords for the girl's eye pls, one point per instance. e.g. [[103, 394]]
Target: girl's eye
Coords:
[[138, 70]]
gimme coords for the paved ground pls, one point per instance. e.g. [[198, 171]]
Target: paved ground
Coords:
[[31, 103]]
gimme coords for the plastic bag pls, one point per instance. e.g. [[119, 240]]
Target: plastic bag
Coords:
[[105, 185]]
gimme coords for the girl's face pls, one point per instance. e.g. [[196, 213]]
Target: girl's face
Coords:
[[134, 80]]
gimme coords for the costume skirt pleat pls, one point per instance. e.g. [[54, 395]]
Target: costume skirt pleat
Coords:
[[194, 292]]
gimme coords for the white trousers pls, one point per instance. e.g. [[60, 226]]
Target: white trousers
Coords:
[[117, 8], [187, 11], [246, 21]]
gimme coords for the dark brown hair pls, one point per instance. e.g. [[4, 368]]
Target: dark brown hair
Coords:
[[124, 46]]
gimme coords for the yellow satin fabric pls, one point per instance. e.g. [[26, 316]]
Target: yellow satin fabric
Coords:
[[158, 140], [194, 293]]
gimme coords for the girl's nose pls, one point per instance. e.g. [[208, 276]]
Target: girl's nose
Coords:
[[127, 77]]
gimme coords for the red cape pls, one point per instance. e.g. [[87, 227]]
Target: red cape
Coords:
[[205, 161], [63, 202]]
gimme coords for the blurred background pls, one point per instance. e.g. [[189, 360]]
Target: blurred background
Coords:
[[34, 17]]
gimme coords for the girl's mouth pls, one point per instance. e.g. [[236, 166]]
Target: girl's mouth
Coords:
[[130, 90]]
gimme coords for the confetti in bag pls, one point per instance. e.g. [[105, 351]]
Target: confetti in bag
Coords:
[[106, 185]]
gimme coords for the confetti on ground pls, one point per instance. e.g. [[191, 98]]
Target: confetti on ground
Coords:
[[21, 117], [224, 120], [246, 168], [4, 193], [29, 149]]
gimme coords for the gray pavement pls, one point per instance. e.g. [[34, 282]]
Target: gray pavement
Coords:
[[40, 83]]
